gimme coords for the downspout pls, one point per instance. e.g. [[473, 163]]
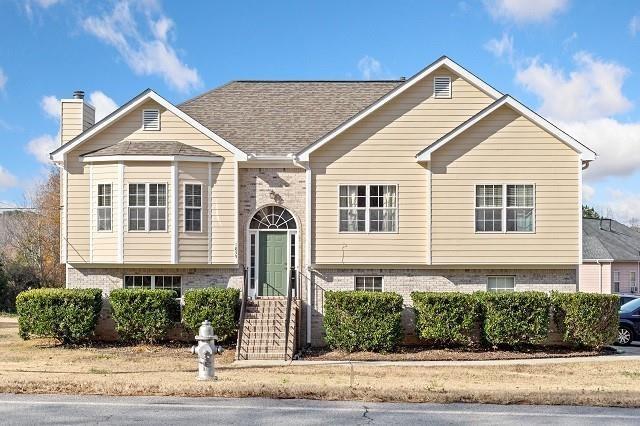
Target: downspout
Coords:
[[600, 264]]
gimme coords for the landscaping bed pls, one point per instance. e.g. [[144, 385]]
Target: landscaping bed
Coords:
[[420, 353]]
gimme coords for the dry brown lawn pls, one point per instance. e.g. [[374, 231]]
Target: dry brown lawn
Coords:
[[40, 366]]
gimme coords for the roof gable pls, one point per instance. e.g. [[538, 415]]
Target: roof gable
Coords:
[[59, 153], [506, 100], [443, 61]]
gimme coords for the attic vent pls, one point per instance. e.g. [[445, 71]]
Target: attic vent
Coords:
[[150, 119], [442, 87]]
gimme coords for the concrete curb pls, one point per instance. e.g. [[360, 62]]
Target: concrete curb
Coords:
[[534, 361]]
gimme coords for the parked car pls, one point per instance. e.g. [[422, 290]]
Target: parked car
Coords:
[[626, 298], [629, 326]]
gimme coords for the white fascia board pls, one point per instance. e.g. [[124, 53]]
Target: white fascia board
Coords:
[[144, 96], [586, 154], [191, 158], [444, 61]]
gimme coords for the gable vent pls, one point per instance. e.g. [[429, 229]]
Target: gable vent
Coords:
[[151, 119], [442, 87]]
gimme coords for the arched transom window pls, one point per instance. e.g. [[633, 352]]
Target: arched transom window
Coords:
[[272, 217]]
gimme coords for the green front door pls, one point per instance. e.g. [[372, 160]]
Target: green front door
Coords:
[[272, 268]]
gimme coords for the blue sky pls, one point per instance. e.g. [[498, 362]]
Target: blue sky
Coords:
[[576, 62]]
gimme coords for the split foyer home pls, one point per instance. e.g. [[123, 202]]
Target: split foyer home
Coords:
[[610, 256], [436, 182]]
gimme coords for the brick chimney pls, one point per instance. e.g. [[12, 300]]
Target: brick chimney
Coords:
[[76, 116]]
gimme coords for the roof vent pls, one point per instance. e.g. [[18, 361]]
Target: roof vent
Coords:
[[150, 119], [403, 78], [78, 94], [442, 87]]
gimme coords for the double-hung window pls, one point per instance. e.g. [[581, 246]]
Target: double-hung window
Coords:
[[633, 282], [368, 208], [616, 281], [193, 207], [505, 208], [137, 207], [147, 207], [104, 207], [157, 207]]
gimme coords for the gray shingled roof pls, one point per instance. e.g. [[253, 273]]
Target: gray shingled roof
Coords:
[[281, 117], [617, 242], [150, 148]]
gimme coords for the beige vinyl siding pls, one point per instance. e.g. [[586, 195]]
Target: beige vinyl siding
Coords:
[[381, 149], [105, 243], [595, 278], [88, 117], [173, 128], [73, 124], [194, 246], [147, 246], [505, 148]]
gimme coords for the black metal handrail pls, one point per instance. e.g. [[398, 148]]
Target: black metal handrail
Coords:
[[243, 309], [293, 278]]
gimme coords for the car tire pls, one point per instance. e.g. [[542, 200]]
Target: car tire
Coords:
[[625, 336]]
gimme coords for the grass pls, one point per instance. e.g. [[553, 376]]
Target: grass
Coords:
[[40, 366]]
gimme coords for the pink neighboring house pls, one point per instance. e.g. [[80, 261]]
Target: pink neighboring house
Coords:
[[610, 257]]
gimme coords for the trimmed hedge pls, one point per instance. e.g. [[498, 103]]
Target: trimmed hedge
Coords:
[[586, 319], [362, 320], [218, 305], [68, 315], [515, 319], [143, 315], [446, 318]]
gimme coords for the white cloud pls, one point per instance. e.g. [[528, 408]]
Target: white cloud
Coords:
[[369, 67], [617, 145], [51, 106], [634, 25], [7, 180], [502, 47], [104, 104], [524, 11], [41, 146], [43, 4], [147, 53], [588, 192], [623, 206], [591, 91], [3, 79]]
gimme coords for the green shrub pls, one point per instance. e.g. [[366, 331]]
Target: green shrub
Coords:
[[446, 318], [515, 319], [362, 320], [69, 315], [144, 315], [586, 319], [218, 305]]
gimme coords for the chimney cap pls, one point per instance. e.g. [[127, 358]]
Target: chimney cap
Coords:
[[78, 94]]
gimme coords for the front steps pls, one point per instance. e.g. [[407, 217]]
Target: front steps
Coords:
[[263, 333]]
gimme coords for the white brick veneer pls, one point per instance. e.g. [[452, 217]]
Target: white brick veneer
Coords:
[[404, 281]]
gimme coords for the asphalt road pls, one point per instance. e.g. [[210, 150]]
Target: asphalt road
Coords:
[[69, 410]]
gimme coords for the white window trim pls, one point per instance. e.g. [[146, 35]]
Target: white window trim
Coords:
[[184, 206], [633, 282], [368, 207], [98, 207], [504, 208], [448, 77], [156, 110], [146, 208], [153, 281], [614, 281], [355, 278], [501, 276]]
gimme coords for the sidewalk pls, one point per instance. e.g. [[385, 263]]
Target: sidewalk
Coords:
[[626, 354]]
